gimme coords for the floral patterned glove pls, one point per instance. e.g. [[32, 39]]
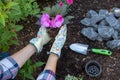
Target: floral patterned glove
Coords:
[[59, 41], [41, 39]]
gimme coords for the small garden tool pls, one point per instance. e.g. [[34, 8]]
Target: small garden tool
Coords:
[[83, 49]]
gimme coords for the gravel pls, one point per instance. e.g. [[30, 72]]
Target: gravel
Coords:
[[103, 26]]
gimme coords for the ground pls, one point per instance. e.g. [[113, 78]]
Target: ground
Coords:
[[71, 62]]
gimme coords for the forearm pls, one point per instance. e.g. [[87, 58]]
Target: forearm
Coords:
[[51, 63], [50, 68], [9, 66], [24, 54]]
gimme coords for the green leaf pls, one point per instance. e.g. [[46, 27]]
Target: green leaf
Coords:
[[30, 70], [38, 64], [14, 42], [11, 4], [66, 21], [5, 48], [2, 19], [38, 16], [29, 76], [30, 1], [15, 12], [63, 10], [18, 27], [47, 10], [70, 17], [6, 35], [55, 10], [0, 8], [38, 23]]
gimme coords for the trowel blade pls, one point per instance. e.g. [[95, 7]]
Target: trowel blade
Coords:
[[80, 48]]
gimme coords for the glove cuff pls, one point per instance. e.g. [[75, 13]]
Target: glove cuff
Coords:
[[37, 43], [55, 51]]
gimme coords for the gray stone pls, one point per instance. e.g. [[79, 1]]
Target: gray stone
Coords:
[[113, 44], [118, 37], [110, 14], [113, 22], [95, 19], [116, 12], [105, 32], [103, 12], [89, 33], [119, 20], [115, 35], [95, 27], [99, 38], [104, 23], [85, 21], [115, 8], [91, 13]]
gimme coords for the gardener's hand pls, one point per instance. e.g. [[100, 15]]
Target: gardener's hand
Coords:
[[59, 41], [41, 39]]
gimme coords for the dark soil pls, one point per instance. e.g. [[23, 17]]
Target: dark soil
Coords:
[[71, 62]]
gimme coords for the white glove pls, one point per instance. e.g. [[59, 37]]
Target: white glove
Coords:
[[41, 39], [59, 41]]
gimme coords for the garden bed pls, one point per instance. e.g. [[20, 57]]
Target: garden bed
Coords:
[[71, 62]]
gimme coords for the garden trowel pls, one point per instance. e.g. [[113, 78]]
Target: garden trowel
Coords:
[[83, 49]]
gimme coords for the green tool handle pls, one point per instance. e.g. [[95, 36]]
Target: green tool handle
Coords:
[[102, 51]]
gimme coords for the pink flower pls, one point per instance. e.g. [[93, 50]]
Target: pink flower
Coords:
[[58, 21], [51, 23], [54, 23], [70, 2], [61, 4], [45, 20]]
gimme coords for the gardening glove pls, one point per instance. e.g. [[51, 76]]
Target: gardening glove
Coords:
[[59, 41], [41, 39]]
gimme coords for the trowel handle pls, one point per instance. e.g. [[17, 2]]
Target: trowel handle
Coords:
[[102, 51]]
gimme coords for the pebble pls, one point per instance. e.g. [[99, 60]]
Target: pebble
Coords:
[[113, 44], [86, 22], [103, 12], [89, 33], [113, 22], [91, 13], [115, 35], [95, 19], [105, 32], [117, 12]]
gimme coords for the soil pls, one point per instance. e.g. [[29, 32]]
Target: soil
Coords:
[[71, 62]]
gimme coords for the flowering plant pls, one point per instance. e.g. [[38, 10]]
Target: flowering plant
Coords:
[[55, 16]]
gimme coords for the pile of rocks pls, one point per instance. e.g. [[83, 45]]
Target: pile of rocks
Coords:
[[104, 25]]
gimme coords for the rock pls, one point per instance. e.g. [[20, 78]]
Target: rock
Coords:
[[85, 21], [118, 37], [116, 12], [113, 22], [95, 27], [113, 44], [91, 13], [115, 8], [95, 19], [110, 14], [89, 33], [115, 35], [105, 31], [104, 23], [99, 38], [103, 12]]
